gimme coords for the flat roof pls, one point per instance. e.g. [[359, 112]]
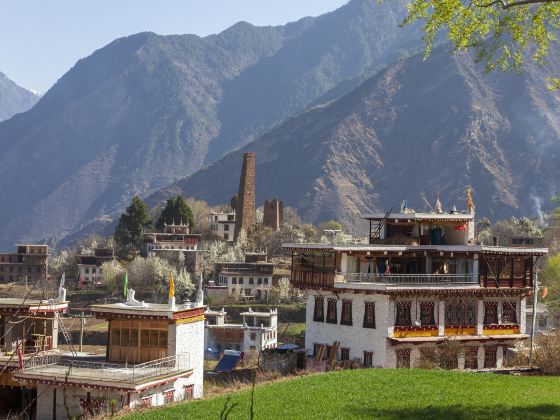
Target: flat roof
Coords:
[[442, 217], [146, 309], [258, 314], [32, 305]]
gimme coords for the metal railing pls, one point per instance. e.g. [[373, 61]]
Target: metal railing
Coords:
[[54, 365], [423, 279]]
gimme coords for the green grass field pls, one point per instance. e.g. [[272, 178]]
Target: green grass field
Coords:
[[385, 393]]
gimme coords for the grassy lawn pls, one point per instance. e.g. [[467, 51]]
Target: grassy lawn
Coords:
[[385, 393], [291, 330]]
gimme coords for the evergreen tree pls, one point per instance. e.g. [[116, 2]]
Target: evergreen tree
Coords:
[[128, 233], [176, 211]]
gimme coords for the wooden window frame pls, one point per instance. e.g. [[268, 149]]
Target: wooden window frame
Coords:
[[509, 313], [403, 314], [400, 354], [368, 359], [427, 319], [488, 314], [332, 311], [369, 309], [319, 309], [346, 313]]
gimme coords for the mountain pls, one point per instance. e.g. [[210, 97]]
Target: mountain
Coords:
[[13, 98], [148, 110], [415, 128]]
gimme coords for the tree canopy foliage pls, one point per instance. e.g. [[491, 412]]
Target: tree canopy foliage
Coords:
[[501, 32], [176, 211], [128, 232]]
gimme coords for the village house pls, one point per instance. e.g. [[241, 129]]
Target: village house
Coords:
[[174, 240], [89, 266], [250, 280], [29, 262], [28, 329], [422, 281], [154, 356], [222, 224], [257, 331]]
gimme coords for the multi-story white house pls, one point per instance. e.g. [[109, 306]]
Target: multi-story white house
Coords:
[[223, 224], [89, 266], [422, 281], [174, 238], [258, 331], [251, 279]]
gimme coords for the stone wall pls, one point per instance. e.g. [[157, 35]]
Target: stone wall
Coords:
[[273, 213], [357, 338], [246, 216]]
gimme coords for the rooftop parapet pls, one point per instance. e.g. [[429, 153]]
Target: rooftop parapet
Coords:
[[52, 369]]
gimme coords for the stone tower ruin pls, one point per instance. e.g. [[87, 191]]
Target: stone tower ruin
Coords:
[[273, 213], [245, 211]]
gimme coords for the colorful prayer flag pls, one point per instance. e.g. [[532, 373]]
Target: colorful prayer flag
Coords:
[[171, 286], [125, 283]]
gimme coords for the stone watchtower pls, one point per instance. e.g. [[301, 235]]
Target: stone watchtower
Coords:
[[246, 204], [273, 213]]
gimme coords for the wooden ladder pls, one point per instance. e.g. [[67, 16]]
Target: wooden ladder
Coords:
[[67, 336], [382, 222]]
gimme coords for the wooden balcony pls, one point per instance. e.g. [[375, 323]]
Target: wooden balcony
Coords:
[[312, 280], [408, 279]]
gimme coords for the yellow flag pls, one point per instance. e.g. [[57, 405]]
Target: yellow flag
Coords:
[[171, 286], [469, 199]]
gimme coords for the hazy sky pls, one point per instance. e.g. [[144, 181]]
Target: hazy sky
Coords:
[[41, 39]]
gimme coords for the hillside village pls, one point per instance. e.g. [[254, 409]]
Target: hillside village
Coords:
[[245, 224], [171, 309]]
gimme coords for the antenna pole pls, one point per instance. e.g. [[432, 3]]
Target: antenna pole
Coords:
[[534, 320]]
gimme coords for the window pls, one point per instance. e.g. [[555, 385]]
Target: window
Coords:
[[509, 313], [403, 314], [226, 236], [251, 280], [344, 353], [346, 317], [471, 358], [253, 336], [168, 396], [265, 281], [460, 313], [87, 270], [490, 357], [470, 314], [188, 392], [226, 227], [318, 312], [427, 313], [368, 358], [369, 315], [490, 313], [240, 280], [332, 317], [403, 359]]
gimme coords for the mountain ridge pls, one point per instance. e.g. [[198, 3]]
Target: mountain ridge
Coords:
[[148, 110], [14, 99], [412, 130]]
